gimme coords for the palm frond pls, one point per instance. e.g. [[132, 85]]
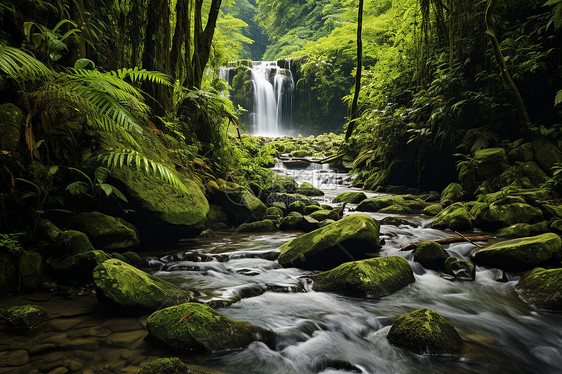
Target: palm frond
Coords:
[[131, 158], [21, 66]]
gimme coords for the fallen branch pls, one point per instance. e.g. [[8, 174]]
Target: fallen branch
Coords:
[[467, 239], [470, 239]]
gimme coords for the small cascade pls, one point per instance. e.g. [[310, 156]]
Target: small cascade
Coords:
[[273, 89]]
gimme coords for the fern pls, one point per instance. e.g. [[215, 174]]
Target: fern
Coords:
[[128, 158], [21, 66]]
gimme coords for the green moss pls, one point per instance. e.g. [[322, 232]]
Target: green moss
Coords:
[[240, 204], [542, 288], [274, 213], [372, 278], [515, 231], [431, 255], [399, 204], [132, 288], [308, 189], [489, 163], [105, 232], [454, 217], [433, 210], [331, 245], [168, 365], [78, 268], [497, 215], [322, 214], [297, 206], [311, 208], [425, 331], [460, 269], [451, 194], [72, 242], [521, 254], [25, 315], [196, 327], [265, 225], [350, 197]]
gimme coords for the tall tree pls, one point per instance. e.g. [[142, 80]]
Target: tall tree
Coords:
[[354, 105]]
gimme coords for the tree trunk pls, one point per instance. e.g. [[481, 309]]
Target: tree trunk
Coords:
[[354, 104], [510, 86]]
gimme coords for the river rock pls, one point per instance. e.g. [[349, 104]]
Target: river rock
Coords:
[[274, 214], [78, 268], [504, 213], [349, 238], [524, 153], [308, 189], [70, 243], [430, 255], [297, 206], [451, 194], [288, 199], [489, 163], [24, 315], [265, 225], [311, 208], [30, 267], [372, 278], [405, 204], [396, 221], [322, 214], [8, 274], [521, 254], [459, 269], [168, 365], [197, 327], [542, 288], [546, 154], [432, 210], [131, 288], [352, 197], [105, 232], [425, 331], [240, 204], [454, 217], [134, 259], [518, 230]]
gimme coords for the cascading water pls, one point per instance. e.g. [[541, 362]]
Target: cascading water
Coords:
[[273, 86]]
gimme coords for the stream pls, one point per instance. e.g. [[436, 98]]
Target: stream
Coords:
[[316, 332]]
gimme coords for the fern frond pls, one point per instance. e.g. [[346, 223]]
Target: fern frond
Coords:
[[129, 157], [140, 75], [106, 124], [21, 66]]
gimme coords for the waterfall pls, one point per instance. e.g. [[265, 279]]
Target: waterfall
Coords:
[[273, 86]]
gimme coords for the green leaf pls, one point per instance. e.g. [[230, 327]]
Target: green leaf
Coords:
[[53, 170], [77, 188], [106, 188], [558, 98], [81, 63], [29, 194]]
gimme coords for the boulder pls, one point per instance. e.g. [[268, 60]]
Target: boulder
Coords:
[[274, 214], [502, 214], [322, 214], [425, 331], [546, 154], [489, 163], [542, 288], [350, 197], [27, 316], [349, 238], [293, 221], [216, 216], [240, 204], [12, 123], [30, 267], [371, 278], [9, 282], [556, 226], [78, 268], [197, 327], [134, 259], [459, 269], [432, 210], [430, 255], [70, 243], [265, 225], [518, 230], [168, 365], [105, 232], [521, 254], [399, 203], [311, 208], [326, 222], [288, 199], [131, 288], [309, 224], [297, 206], [396, 221], [308, 189], [279, 205], [451, 194], [454, 217], [524, 153], [552, 211]]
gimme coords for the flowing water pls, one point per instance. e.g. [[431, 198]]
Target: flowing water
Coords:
[[316, 332]]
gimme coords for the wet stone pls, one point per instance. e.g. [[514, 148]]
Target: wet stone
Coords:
[[126, 339], [14, 358]]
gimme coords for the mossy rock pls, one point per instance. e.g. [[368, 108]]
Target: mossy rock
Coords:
[[540, 227], [216, 216], [431, 255], [451, 194], [288, 199], [280, 205], [12, 123], [292, 222], [321, 215], [425, 331], [489, 163], [27, 316], [274, 214], [30, 268], [396, 221], [400, 203], [309, 224], [134, 259], [297, 206], [330, 246], [70, 243], [524, 153], [397, 209], [459, 269], [542, 288], [308, 189], [556, 226], [265, 225], [197, 327], [454, 217], [325, 223], [370, 278], [432, 210], [78, 268], [105, 232], [521, 254], [500, 214], [531, 170], [552, 211], [518, 230], [133, 289], [168, 365], [350, 197], [546, 154], [9, 281], [240, 204], [311, 208]]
